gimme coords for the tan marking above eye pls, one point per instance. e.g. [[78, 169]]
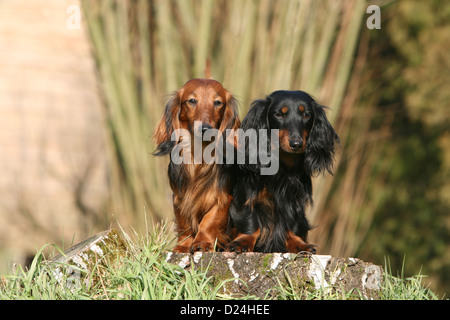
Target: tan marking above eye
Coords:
[[284, 109], [191, 99], [301, 108], [218, 101]]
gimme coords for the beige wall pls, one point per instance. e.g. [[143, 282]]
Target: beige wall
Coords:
[[51, 138]]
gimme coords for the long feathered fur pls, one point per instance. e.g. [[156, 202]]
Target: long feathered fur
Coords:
[[268, 211], [201, 192]]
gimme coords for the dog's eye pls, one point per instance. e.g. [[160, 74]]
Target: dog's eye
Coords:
[[281, 114], [192, 102], [305, 116], [217, 103]]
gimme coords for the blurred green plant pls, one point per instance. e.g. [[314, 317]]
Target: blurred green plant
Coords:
[[405, 77]]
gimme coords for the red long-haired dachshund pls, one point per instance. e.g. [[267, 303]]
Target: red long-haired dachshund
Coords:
[[201, 190]]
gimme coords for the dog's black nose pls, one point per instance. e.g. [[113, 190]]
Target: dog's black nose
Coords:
[[295, 145], [205, 127]]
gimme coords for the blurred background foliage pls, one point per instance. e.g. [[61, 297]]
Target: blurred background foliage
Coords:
[[386, 89]]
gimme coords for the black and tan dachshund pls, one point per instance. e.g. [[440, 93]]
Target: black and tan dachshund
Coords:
[[268, 211]]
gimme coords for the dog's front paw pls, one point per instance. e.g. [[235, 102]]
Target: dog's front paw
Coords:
[[181, 249], [202, 246], [239, 246], [297, 245], [311, 248]]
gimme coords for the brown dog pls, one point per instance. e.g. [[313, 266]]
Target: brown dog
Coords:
[[201, 192]]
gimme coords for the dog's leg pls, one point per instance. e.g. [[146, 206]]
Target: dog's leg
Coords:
[[184, 232], [184, 242], [212, 227], [244, 242], [296, 244]]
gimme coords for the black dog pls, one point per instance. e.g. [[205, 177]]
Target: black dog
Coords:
[[268, 211]]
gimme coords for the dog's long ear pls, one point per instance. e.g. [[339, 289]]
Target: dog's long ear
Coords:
[[322, 140], [229, 123], [256, 117], [166, 125], [230, 119], [255, 120]]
